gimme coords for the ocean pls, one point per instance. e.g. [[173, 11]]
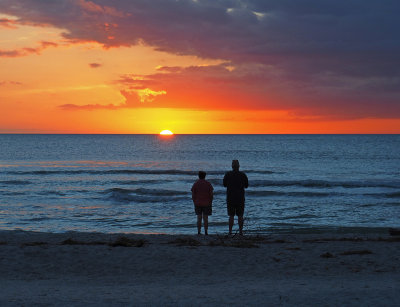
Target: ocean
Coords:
[[141, 183]]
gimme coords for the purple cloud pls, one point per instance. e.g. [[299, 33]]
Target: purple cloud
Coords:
[[330, 54]]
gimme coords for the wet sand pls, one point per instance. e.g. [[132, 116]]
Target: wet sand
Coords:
[[88, 269]]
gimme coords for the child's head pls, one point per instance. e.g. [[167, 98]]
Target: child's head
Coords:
[[202, 175]]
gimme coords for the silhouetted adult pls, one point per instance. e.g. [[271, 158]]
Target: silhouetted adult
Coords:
[[202, 196], [235, 181]]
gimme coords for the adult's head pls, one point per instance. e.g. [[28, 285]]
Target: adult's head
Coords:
[[202, 175], [235, 165]]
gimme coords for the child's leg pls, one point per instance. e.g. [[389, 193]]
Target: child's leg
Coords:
[[205, 218], [199, 223]]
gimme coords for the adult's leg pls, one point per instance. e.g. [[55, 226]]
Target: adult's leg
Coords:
[[231, 214], [199, 223], [205, 218], [240, 222], [231, 220]]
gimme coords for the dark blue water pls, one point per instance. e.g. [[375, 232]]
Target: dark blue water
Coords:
[[141, 183]]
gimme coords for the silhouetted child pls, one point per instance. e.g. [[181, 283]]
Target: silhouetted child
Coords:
[[202, 195]]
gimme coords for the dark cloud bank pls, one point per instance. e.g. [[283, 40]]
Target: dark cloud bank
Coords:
[[327, 55]]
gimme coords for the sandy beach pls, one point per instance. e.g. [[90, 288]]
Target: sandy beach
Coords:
[[83, 269]]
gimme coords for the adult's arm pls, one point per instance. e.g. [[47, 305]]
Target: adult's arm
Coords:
[[246, 181]]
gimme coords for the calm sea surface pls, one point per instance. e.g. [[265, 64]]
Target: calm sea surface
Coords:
[[141, 183]]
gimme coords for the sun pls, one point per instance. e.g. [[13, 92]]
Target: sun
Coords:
[[166, 132]]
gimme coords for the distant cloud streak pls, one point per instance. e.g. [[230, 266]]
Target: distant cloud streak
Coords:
[[95, 65], [89, 107], [27, 50], [4, 83]]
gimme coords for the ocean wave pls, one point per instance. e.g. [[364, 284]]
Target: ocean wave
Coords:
[[301, 228], [300, 216], [386, 195], [393, 195], [310, 183], [266, 172], [46, 193], [37, 219], [11, 193], [15, 182], [143, 195], [144, 182], [144, 191], [293, 194], [128, 172], [129, 198], [249, 193], [104, 172]]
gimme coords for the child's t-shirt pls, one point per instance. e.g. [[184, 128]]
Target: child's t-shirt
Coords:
[[202, 193]]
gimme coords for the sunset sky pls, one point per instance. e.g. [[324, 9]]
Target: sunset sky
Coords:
[[199, 66]]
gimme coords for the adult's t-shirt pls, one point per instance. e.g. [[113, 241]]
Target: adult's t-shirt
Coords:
[[235, 182]]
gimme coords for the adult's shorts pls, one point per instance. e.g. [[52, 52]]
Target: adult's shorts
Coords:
[[235, 209], [203, 210]]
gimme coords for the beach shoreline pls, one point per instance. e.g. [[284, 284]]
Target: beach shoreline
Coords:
[[135, 269]]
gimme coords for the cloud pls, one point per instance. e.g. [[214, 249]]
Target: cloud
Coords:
[[20, 52], [27, 50], [259, 87], [148, 95], [91, 7], [89, 107], [310, 54], [218, 87], [95, 65], [46, 44], [12, 53], [235, 30], [8, 23], [4, 83], [134, 98]]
